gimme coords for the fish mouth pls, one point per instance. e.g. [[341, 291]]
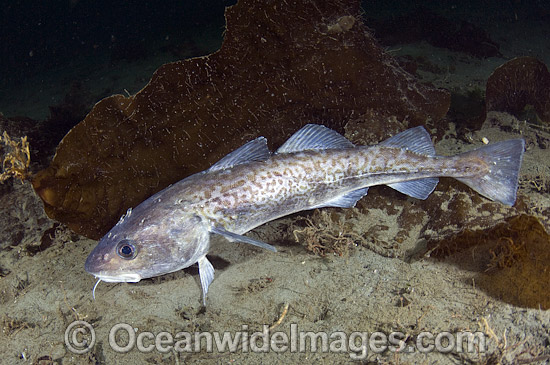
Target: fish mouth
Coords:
[[106, 271], [120, 278]]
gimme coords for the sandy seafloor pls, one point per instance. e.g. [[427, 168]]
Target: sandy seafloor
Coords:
[[369, 288]]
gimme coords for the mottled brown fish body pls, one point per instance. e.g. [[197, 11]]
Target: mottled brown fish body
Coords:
[[252, 194]]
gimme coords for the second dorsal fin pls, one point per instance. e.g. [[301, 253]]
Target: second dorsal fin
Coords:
[[314, 137]]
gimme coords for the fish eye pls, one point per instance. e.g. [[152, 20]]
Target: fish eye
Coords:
[[126, 249]]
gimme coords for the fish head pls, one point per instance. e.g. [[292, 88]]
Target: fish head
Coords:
[[150, 244]]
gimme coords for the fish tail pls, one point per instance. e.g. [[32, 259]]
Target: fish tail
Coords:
[[504, 161]]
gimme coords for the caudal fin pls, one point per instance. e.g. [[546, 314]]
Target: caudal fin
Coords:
[[504, 159]]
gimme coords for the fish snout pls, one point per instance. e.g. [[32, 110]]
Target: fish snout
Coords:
[[93, 263]]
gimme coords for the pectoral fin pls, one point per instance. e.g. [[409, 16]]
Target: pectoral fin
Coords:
[[240, 238], [206, 274]]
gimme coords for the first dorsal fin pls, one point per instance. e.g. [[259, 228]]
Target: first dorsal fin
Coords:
[[415, 139], [314, 137], [255, 150]]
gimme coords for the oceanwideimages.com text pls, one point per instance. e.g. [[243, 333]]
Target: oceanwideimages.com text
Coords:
[[80, 338]]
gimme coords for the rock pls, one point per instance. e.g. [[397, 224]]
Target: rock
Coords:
[[281, 65]]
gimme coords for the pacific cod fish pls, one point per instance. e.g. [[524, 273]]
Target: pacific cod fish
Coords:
[[315, 168]]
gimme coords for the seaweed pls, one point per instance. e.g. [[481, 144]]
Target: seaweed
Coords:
[[11, 326], [16, 158], [325, 233]]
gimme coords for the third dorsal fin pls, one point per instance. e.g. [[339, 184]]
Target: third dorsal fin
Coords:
[[314, 137], [415, 139]]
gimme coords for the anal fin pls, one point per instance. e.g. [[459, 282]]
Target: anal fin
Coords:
[[347, 200], [419, 189]]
